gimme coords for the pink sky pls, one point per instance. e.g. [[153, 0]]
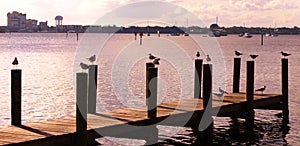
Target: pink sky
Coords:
[[230, 12]]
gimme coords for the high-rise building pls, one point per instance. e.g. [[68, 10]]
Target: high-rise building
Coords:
[[16, 20]]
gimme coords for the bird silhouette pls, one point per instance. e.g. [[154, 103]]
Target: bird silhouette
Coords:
[[261, 90], [237, 53], [15, 62], [84, 66], [253, 56], [208, 59], [156, 61], [222, 91], [151, 57], [219, 95], [197, 54], [284, 54], [92, 58]]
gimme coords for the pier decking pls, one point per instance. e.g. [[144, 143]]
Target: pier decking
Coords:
[[63, 131]]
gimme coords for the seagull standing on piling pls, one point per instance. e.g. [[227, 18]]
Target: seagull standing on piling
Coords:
[[237, 53], [197, 54], [261, 90], [219, 95], [15, 62], [222, 91], [156, 61], [253, 56], [151, 57], [208, 59], [84, 66], [92, 59], [284, 54]]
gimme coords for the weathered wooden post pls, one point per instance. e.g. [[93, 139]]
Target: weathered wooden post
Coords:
[[250, 95], [207, 99], [262, 39], [152, 90], [198, 78], [285, 90], [92, 89], [236, 75], [148, 65], [81, 109], [16, 97], [151, 97]]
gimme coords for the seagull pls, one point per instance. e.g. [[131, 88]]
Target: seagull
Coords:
[[151, 57], [208, 58], [219, 95], [261, 89], [15, 62], [237, 53], [222, 91], [253, 56], [284, 54], [198, 54], [84, 66], [92, 58], [156, 61]]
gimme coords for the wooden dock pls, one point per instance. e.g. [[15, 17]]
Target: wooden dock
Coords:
[[63, 131]]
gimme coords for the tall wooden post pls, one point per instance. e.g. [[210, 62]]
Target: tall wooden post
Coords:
[[81, 109], [236, 75], [16, 97], [250, 95], [285, 90], [198, 78], [152, 89], [262, 39], [148, 65], [207, 99], [92, 89]]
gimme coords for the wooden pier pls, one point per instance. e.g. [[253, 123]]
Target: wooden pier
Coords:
[[187, 112], [63, 131]]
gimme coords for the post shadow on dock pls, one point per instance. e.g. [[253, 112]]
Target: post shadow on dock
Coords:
[[92, 88], [80, 138], [16, 97]]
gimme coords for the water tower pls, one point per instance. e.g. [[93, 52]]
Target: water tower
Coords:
[[58, 20]]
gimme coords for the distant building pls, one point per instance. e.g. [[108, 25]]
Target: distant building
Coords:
[[16, 20], [43, 26], [31, 25]]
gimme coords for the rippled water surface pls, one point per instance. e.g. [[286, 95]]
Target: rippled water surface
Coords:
[[48, 61]]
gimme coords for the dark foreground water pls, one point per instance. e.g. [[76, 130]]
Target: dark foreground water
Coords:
[[48, 62]]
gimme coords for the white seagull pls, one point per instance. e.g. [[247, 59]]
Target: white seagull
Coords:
[[84, 66], [261, 90], [197, 54], [92, 59], [284, 54], [208, 59], [156, 61], [222, 91]]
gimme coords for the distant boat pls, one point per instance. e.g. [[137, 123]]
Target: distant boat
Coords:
[[185, 34], [241, 35], [175, 34], [247, 35]]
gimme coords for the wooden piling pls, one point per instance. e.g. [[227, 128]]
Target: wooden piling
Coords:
[[285, 91], [198, 78], [148, 65], [236, 75], [81, 109], [152, 89], [262, 39], [250, 95], [16, 97], [92, 89], [207, 99]]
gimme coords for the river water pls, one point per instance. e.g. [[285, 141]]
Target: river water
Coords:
[[48, 63]]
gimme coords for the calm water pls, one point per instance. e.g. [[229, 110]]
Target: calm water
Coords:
[[48, 61]]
